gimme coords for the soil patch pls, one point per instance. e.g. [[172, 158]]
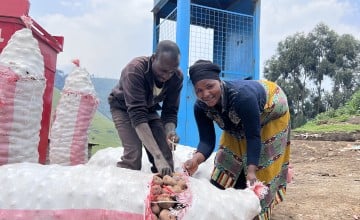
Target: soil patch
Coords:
[[326, 182]]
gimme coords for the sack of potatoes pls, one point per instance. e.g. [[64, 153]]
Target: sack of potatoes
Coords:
[[169, 197]]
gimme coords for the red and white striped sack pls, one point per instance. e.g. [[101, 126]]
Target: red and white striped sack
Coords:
[[73, 116], [21, 105]]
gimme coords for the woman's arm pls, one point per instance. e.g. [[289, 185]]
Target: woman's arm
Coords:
[[207, 136], [247, 107], [206, 140]]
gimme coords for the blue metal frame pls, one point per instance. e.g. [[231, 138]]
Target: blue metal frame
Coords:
[[182, 39], [256, 41], [187, 128]]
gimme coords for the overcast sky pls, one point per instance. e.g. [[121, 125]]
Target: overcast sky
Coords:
[[106, 34]]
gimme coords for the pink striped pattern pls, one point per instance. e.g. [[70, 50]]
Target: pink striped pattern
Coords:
[[8, 80], [68, 214], [86, 110]]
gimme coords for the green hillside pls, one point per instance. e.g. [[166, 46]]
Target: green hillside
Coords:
[[343, 119], [102, 130]]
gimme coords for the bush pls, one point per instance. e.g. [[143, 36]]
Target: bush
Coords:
[[354, 104]]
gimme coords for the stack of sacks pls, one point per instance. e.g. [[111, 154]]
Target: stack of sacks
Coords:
[[33, 191], [73, 116], [22, 84]]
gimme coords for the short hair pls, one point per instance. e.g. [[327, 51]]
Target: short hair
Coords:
[[168, 46]]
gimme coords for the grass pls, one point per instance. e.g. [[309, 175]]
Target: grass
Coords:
[[101, 132], [335, 120], [312, 127]]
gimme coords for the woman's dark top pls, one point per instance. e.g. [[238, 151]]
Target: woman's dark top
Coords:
[[242, 102]]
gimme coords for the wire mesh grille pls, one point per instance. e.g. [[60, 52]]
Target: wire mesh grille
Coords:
[[166, 30], [224, 37]]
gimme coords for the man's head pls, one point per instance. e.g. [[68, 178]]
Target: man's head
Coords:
[[166, 60]]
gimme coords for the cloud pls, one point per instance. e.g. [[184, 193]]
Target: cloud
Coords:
[[282, 18], [105, 35]]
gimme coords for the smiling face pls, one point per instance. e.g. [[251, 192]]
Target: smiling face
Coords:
[[164, 66], [208, 91]]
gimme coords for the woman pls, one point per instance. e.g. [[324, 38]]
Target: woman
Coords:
[[255, 120]]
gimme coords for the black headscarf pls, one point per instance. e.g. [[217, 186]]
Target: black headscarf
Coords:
[[204, 69]]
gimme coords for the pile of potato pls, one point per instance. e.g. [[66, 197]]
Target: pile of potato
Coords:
[[164, 191]]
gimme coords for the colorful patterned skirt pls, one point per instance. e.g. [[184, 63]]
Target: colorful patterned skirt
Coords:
[[230, 161]]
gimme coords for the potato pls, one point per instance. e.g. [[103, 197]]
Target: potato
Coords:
[[177, 176], [157, 180], [176, 188], [168, 180], [182, 184], [155, 208], [156, 190], [165, 214], [154, 217]]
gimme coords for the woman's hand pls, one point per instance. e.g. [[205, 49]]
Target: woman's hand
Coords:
[[191, 165], [251, 174]]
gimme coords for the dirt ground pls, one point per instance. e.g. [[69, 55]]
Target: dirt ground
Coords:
[[326, 182]]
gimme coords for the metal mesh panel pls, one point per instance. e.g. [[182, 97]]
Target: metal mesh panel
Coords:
[[166, 30], [222, 36]]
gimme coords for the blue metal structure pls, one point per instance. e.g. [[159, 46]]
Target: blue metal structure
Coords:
[[223, 31]]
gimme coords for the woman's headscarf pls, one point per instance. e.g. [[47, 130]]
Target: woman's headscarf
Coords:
[[204, 69]]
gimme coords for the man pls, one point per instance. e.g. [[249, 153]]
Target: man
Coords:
[[148, 85]]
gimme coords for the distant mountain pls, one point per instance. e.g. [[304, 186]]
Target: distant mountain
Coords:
[[102, 86]]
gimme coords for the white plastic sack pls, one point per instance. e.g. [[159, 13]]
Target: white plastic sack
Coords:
[[22, 84], [34, 191], [73, 116], [111, 155]]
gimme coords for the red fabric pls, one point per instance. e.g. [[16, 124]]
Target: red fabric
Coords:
[[8, 80], [76, 62], [87, 108]]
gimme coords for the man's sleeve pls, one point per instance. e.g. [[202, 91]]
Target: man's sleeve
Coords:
[[171, 102], [135, 96]]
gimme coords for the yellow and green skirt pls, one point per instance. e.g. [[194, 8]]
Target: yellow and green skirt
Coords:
[[273, 164]]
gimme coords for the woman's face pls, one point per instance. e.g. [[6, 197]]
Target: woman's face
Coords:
[[208, 91]]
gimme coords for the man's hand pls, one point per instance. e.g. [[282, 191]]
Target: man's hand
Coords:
[[171, 135], [145, 134], [162, 165], [172, 139]]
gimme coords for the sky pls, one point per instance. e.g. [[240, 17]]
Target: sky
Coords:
[[105, 35]]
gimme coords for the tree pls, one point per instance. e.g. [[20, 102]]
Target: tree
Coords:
[[303, 62], [290, 71], [346, 78]]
